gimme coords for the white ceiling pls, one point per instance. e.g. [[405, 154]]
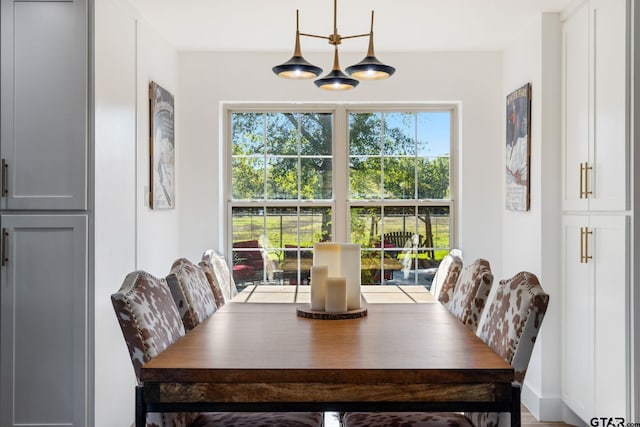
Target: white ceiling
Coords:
[[400, 25]]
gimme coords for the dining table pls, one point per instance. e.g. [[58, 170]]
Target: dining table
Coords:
[[262, 356]]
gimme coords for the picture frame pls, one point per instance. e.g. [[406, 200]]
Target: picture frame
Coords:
[[161, 148], [518, 149]]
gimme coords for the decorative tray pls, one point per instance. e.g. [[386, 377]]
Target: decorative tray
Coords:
[[305, 311]]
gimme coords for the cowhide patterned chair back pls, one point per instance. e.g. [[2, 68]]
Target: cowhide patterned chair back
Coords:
[[446, 277], [471, 292], [191, 293], [150, 323], [509, 325], [220, 273]]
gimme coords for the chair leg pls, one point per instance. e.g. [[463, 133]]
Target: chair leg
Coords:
[[141, 416]]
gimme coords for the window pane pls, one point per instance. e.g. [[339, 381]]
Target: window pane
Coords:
[[365, 175], [399, 178], [400, 134], [317, 134], [365, 226], [316, 181], [434, 134], [247, 178], [248, 231], [315, 226], [433, 178], [282, 178], [247, 133], [282, 133], [437, 225], [365, 134]]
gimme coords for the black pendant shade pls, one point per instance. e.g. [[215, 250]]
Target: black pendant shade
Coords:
[[336, 79], [297, 68]]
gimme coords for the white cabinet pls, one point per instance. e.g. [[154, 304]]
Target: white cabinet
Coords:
[[595, 203], [595, 314], [44, 105], [44, 321], [595, 81]]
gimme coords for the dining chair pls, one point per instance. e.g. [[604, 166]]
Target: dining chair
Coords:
[[191, 293], [509, 325], [471, 292], [150, 322], [221, 273], [446, 277]]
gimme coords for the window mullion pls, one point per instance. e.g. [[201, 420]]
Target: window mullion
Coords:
[[341, 175]]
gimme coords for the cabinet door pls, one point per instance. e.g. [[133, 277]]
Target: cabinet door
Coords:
[[576, 106], [609, 152], [44, 104], [577, 359], [609, 270], [43, 343]]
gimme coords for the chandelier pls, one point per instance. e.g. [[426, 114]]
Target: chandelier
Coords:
[[370, 68]]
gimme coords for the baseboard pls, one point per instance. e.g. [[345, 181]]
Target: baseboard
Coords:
[[548, 409]]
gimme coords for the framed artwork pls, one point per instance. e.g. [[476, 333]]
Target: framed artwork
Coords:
[[518, 149], [161, 148]]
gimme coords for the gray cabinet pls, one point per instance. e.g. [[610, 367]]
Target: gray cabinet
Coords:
[[44, 104], [44, 308], [44, 320]]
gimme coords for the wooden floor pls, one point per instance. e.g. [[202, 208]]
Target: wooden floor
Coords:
[[331, 420]]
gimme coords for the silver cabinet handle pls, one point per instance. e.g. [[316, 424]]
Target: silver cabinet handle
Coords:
[[5, 247]]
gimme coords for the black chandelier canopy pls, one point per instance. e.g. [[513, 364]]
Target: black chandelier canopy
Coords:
[[370, 68]]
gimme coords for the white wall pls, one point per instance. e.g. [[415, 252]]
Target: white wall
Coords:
[[531, 240], [158, 230], [128, 235], [472, 79], [115, 133]]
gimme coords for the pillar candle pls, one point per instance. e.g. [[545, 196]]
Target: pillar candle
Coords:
[[328, 254], [350, 270], [319, 275], [336, 295]]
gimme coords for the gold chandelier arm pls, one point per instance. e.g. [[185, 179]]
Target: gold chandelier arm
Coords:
[[357, 35], [315, 35]]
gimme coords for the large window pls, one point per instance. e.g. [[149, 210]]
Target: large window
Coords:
[[378, 177]]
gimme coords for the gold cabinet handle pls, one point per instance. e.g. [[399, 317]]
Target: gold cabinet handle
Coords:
[[5, 247], [5, 175], [587, 233], [587, 192]]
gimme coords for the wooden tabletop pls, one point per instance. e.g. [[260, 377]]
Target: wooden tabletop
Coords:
[[268, 343]]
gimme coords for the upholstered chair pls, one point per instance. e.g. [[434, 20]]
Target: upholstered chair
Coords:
[[150, 322], [509, 325], [471, 292], [446, 277], [191, 293], [221, 274]]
